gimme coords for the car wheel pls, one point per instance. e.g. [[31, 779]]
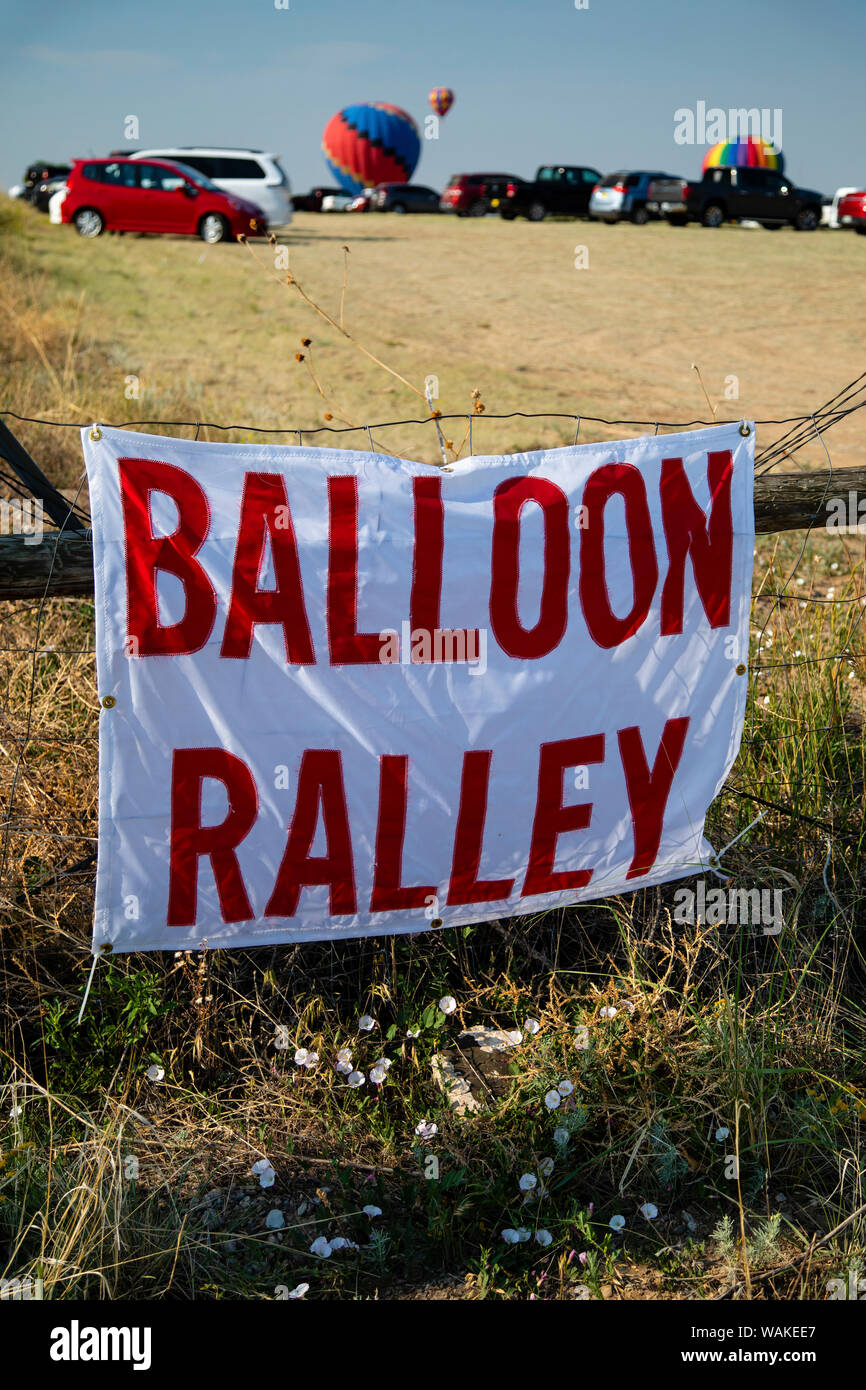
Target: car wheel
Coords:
[[714, 215], [639, 215], [213, 228], [89, 222], [860, 228], [508, 214], [399, 207], [536, 212], [480, 208], [807, 220]]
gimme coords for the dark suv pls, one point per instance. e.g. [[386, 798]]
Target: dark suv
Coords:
[[403, 197], [474, 195]]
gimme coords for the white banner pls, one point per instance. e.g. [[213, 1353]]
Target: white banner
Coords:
[[344, 694]]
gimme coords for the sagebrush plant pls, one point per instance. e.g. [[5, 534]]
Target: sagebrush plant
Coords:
[[713, 1076]]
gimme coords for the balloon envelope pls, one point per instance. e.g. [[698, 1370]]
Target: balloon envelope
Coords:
[[369, 144], [441, 99], [749, 152]]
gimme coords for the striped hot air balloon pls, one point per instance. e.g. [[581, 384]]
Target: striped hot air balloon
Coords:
[[441, 99], [369, 144], [747, 152]]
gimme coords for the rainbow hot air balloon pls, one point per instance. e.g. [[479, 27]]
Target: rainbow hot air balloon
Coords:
[[369, 144], [748, 152], [441, 99]]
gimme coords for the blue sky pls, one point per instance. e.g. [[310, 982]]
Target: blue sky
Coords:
[[536, 81]]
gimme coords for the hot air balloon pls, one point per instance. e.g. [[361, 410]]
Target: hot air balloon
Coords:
[[748, 152], [369, 144], [441, 99]]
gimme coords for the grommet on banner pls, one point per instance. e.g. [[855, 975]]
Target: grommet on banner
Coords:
[[95, 432], [108, 702], [741, 669], [745, 430]]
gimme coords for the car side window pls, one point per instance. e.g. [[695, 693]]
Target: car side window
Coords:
[[231, 168], [590, 176], [122, 175], [155, 177]]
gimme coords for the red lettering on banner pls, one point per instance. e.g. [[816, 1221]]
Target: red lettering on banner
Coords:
[[710, 545], [648, 792], [552, 819], [465, 885], [605, 628], [509, 500], [264, 496], [389, 894], [426, 598], [348, 646], [190, 840], [147, 554], [320, 786]]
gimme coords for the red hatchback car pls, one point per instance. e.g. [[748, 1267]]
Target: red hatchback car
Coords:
[[134, 195], [851, 212]]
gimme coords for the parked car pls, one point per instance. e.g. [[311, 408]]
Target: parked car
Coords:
[[474, 195], [136, 195], [852, 211], [403, 197], [830, 216], [251, 175], [40, 182], [623, 195], [560, 189], [337, 202], [361, 201], [725, 194], [312, 201]]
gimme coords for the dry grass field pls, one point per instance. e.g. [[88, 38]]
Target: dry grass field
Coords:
[[717, 1075]]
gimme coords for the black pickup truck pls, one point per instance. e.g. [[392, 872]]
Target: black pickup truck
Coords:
[[745, 195], [560, 189]]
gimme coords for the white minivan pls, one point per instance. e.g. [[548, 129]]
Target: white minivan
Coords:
[[249, 174]]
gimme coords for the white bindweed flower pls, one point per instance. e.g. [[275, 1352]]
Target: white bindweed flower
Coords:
[[581, 1039], [155, 1073], [532, 1026], [16, 1111], [523, 1233], [377, 1074], [560, 1138], [341, 1243], [690, 1221], [372, 1211], [649, 1210], [426, 1129], [321, 1246], [344, 1068], [565, 1088], [547, 1165], [553, 1100], [275, 1220], [383, 1063], [299, 1291], [311, 1059], [616, 1223], [722, 1133], [301, 1056], [609, 1011], [264, 1171], [515, 1036], [366, 1023], [543, 1237], [345, 1054], [413, 1032], [447, 1004], [356, 1078], [528, 1182], [281, 1037], [510, 1236]]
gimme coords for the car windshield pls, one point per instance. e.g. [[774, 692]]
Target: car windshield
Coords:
[[193, 176]]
